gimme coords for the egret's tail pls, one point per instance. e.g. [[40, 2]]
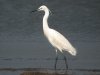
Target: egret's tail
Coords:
[[72, 51]]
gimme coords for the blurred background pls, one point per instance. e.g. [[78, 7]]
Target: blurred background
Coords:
[[23, 45]]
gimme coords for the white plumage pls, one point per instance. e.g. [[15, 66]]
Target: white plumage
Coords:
[[60, 42], [55, 38]]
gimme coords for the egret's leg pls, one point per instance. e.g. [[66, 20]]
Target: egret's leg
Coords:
[[56, 60], [66, 62]]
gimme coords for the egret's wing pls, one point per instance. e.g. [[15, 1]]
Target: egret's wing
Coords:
[[60, 42]]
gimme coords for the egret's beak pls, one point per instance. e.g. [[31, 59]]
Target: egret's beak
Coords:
[[34, 10]]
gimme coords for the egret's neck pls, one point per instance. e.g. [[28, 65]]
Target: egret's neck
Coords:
[[45, 20]]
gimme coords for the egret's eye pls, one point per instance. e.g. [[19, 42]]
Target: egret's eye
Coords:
[[40, 8]]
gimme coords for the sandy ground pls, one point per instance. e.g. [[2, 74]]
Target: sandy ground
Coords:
[[69, 72]]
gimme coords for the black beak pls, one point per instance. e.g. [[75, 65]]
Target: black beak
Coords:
[[34, 10]]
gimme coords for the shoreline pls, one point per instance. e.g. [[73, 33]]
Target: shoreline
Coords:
[[44, 69]]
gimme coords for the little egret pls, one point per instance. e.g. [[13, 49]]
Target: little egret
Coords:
[[57, 40]]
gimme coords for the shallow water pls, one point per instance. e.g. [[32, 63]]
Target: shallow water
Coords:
[[22, 44]]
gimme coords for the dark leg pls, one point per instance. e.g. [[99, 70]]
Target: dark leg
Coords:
[[56, 62], [66, 62]]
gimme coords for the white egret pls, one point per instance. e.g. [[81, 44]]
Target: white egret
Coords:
[[57, 40]]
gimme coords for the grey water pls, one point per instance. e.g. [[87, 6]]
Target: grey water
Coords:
[[23, 45]]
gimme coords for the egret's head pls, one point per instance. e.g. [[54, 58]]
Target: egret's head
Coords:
[[42, 8]]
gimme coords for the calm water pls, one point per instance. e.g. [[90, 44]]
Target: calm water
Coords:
[[22, 44]]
